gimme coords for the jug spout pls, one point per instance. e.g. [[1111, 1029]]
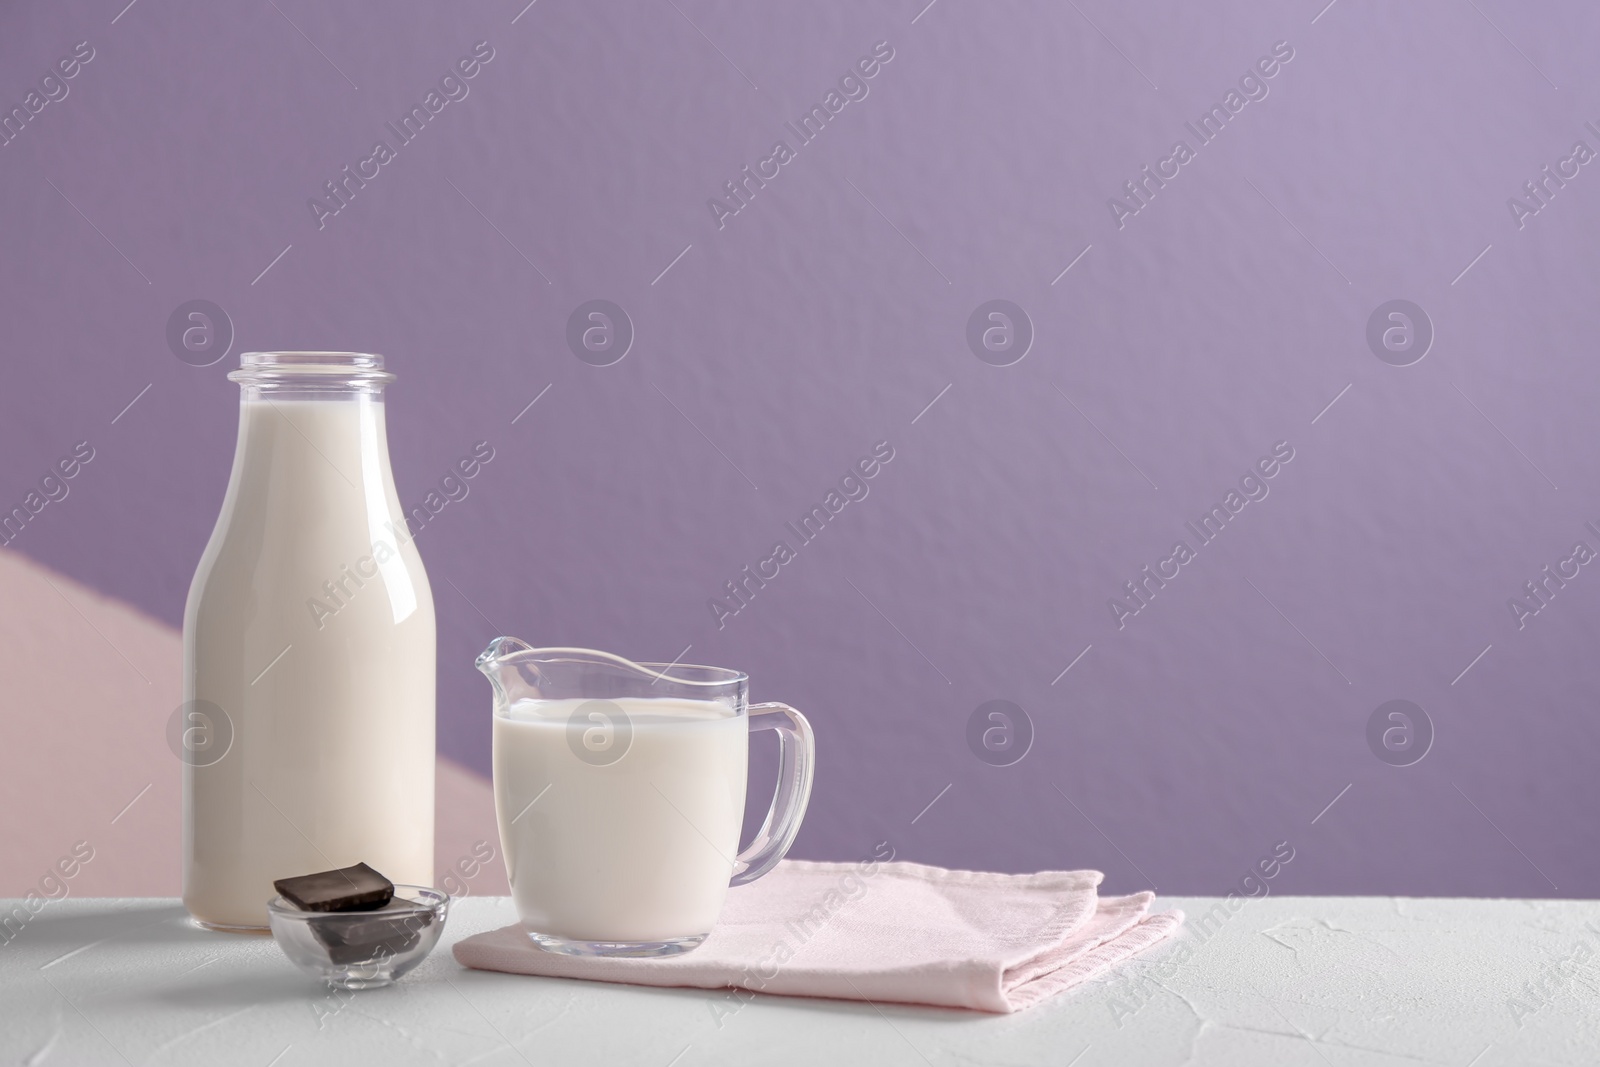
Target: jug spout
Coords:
[[492, 662], [489, 659]]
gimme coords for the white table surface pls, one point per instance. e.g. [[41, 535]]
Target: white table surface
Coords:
[[1329, 982]]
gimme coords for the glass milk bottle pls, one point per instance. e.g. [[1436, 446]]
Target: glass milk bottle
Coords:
[[307, 729]]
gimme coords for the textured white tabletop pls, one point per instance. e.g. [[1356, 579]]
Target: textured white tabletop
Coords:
[[1333, 982]]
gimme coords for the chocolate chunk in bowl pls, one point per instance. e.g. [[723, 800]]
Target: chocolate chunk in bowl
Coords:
[[357, 888]]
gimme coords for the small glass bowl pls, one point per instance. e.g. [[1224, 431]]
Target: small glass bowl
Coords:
[[361, 949]]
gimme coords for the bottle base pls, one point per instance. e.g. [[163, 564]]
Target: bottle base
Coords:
[[229, 928]]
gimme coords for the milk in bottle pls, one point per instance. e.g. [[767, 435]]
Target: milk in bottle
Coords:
[[309, 650]]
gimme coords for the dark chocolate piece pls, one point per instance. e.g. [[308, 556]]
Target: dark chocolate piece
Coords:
[[365, 927], [358, 888], [360, 936], [379, 952]]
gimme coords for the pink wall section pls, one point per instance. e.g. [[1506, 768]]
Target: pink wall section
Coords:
[[90, 682]]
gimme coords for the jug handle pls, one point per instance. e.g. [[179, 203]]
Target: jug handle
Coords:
[[797, 756]]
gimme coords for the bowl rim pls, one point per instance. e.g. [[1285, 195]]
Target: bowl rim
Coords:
[[433, 900]]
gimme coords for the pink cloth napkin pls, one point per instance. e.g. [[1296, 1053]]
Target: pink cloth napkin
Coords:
[[873, 931]]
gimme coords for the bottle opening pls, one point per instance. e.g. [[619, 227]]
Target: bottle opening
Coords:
[[312, 372]]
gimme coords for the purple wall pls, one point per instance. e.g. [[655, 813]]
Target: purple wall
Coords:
[[1185, 341]]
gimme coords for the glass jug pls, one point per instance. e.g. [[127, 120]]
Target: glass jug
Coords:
[[619, 789]]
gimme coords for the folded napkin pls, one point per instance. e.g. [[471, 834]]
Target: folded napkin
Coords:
[[900, 932]]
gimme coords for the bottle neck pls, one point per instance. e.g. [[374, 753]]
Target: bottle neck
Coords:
[[314, 441], [312, 433]]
